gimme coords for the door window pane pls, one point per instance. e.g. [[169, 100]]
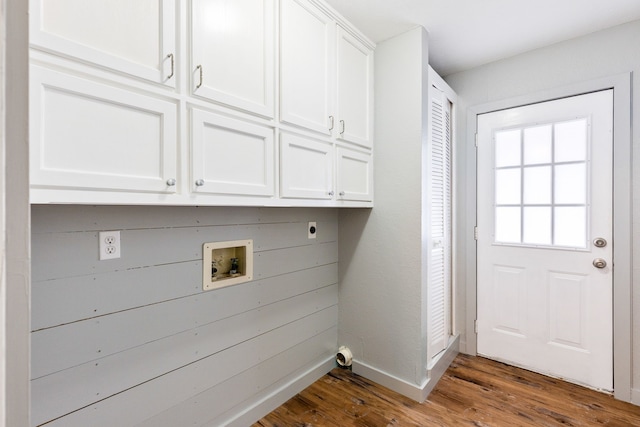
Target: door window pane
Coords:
[[571, 184], [570, 227], [508, 186], [541, 184], [571, 141], [537, 145], [537, 226], [507, 225], [537, 185], [507, 148]]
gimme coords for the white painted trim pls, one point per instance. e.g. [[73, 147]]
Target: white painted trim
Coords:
[[635, 396], [413, 391], [259, 409], [622, 207], [3, 277], [16, 215]]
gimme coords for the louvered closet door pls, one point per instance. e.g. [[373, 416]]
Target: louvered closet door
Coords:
[[439, 241]]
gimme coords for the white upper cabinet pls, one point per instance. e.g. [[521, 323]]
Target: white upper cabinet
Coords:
[[306, 167], [87, 135], [133, 37], [326, 75], [231, 157], [354, 175], [199, 102], [354, 90], [233, 51], [307, 52]]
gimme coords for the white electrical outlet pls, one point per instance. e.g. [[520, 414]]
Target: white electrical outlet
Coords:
[[312, 230], [109, 244]]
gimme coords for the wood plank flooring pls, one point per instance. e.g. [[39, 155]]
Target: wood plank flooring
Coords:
[[473, 392]]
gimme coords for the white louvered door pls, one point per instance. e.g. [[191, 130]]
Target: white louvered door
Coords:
[[440, 215]]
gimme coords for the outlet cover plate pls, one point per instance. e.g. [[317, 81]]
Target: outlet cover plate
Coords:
[[312, 229], [109, 244]]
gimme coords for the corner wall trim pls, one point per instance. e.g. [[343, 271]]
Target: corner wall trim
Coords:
[[413, 391]]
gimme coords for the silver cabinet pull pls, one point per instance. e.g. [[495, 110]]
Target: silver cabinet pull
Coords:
[[200, 183], [171, 182], [199, 67], [342, 126], [341, 193], [599, 263], [330, 193], [331, 121], [170, 56]]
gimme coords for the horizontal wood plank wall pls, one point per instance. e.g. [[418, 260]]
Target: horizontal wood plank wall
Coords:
[[136, 341]]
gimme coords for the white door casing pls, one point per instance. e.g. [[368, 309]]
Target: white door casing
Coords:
[[541, 302]]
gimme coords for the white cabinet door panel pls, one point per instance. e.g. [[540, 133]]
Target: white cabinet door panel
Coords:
[[354, 90], [134, 37], [355, 175], [307, 51], [231, 156], [90, 135], [306, 168], [233, 50]]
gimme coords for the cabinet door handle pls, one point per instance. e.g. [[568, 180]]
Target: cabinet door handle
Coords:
[[171, 182], [342, 126], [341, 193], [330, 193], [331, 121], [170, 56], [199, 67], [200, 183]]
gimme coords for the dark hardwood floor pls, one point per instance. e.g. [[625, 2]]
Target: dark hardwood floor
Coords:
[[473, 392]]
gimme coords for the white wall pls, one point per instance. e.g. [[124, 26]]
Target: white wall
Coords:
[[605, 53], [382, 297]]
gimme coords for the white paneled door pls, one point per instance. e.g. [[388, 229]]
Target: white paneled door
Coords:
[[545, 237]]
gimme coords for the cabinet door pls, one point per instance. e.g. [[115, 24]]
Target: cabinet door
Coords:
[[86, 135], [354, 90], [306, 167], [231, 156], [355, 175], [134, 37], [307, 50], [233, 53]]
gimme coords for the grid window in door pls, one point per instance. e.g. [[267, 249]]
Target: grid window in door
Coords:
[[541, 185]]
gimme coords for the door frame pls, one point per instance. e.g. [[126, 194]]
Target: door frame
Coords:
[[622, 215]]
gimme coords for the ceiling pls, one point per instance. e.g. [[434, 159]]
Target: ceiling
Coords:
[[466, 33]]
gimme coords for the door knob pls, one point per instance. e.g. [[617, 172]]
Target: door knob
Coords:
[[599, 263], [599, 242]]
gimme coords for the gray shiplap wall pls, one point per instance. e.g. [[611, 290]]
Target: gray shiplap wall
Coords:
[[135, 341]]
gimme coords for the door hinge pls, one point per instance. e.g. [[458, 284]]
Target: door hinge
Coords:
[[476, 140], [475, 326], [475, 233]]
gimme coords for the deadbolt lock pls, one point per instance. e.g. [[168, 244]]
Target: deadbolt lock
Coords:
[[599, 242]]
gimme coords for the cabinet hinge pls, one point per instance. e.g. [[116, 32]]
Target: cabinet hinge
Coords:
[[475, 326], [475, 233], [476, 140]]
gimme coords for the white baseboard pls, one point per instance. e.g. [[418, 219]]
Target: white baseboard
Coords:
[[635, 396], [277, 397], [413, 391]]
